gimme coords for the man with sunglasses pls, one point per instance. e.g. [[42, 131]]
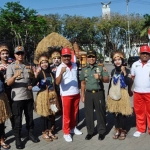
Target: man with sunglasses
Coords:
[[18, 76], [66, 78], [140, 72], [93, 96]]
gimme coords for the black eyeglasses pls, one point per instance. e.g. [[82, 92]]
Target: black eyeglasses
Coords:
[[91, 56], [66, 55], [145, 53], [20, 53]]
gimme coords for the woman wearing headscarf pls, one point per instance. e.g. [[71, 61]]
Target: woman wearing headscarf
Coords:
[[46, 103], [121, 108]]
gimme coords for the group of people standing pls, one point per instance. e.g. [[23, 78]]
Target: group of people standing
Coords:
[[59, 92]]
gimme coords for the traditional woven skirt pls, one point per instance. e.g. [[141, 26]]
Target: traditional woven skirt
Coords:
[[122, 106], [5, 111], [46, 103]]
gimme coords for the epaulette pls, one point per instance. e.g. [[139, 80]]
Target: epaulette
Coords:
[[101, 65]]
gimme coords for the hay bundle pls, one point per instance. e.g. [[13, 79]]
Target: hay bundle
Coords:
[[52, 40]]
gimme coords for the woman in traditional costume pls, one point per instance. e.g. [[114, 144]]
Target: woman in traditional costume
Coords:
[[121, 107], [46, 103], [5, 112]]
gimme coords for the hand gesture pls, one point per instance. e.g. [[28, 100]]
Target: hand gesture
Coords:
[[2, 68], [37, 72], [123, 70], [63, 69], [96, 76], [17, 74]]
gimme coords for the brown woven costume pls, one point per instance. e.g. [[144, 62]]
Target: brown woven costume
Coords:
[[122, 106], [44, 100], [5, 111]]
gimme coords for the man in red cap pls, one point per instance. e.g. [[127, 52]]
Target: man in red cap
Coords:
[[66, 78], [140, 72]]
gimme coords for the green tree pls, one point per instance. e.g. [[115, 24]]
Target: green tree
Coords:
[[21, 26]]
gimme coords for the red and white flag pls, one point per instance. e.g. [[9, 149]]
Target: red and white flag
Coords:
[[73, 57]]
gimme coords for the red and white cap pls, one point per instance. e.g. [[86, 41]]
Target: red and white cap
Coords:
[[145, 49], [66, 51]]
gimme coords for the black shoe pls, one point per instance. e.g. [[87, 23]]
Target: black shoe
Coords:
[[19, 144], [88, 137], [101, 137], [33, 139]]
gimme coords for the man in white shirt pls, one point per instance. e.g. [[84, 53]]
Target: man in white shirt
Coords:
[[140, 72], [66, 78]]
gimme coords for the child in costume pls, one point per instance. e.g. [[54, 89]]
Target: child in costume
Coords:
[[121, 107]]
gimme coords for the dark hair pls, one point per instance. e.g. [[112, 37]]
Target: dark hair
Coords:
[[54, 49], [45, 54], [3, 44]]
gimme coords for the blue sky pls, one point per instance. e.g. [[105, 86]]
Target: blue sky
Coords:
[[86, 8]]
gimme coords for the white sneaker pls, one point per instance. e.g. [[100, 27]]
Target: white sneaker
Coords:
[[75, 131], [137, 134], [67, 138]]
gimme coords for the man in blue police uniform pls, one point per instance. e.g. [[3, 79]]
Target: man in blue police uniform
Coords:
[[93, 96]]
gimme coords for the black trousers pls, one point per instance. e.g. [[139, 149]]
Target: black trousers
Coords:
[[2, 128], [17, 109], [97, 101], [46, 123], [120, 121]]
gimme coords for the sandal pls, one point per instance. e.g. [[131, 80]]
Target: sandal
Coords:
[[5, 146], [46, 137], [122, 135], [117, 134], [54, 137]]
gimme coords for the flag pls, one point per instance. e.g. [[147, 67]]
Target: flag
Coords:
[[73, 57]]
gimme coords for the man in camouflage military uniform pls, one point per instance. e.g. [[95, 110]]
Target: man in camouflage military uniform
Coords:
[[19, 76], [93, 96]]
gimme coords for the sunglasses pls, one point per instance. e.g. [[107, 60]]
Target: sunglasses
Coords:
[[91, 56], [145, 53], [66, 56], [20, 53]]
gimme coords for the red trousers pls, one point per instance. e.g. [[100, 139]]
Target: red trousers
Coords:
[[70, 105], [142, 111]]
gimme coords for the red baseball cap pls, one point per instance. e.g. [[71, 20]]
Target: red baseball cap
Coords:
[[145, 49], [66, 51]]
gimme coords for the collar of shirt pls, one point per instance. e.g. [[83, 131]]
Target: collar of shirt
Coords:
[[94, 65], [143, 63]]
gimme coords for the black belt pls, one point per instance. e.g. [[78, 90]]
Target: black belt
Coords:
[[94, 91]]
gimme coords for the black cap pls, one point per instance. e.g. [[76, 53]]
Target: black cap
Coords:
[[91, 52]]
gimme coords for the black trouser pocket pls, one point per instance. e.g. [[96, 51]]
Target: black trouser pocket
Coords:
[[15, 109]]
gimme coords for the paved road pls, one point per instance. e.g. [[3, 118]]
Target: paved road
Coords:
[[79, 143]]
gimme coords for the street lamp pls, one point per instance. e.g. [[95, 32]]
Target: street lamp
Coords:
[[126, 35]]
